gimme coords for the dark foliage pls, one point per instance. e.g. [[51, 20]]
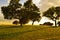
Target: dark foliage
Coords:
[[53, 13], [48, 23], [33, 10], [24, 13], [16, 22]]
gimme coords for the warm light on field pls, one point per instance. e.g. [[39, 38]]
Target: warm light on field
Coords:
[[43, 20]]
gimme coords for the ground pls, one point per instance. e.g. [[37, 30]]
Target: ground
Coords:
[[29, 32]]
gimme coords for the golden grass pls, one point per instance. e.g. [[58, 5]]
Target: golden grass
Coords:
[[29, 32]]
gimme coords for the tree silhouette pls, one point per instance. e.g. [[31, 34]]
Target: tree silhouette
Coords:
[[23, 21], [15, 10], [9, 11], [23, 16], [32, 11], [34, 16], [52, 13]]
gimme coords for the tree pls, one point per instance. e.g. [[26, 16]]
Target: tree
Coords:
[[23, 21], [14, 1], [16, 22], [52, 13], [34, 16], [32, 11], [14, 11], [23, 16], [30, 6], [9, 11], [21, 12]]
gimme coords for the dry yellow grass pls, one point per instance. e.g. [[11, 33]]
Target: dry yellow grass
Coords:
[[29, 32]]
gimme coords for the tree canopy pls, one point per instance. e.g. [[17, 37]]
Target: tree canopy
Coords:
[[32, 11], [53, 13], [15, 10]]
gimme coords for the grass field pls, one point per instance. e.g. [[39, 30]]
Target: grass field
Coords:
[[29, 32]]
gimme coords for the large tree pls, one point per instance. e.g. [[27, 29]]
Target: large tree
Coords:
[[33, 11], [9, 11], [23, 13], [14, 11], [53, 13], [23, 16]]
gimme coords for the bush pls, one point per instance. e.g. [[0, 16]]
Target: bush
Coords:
[[48, 23], [16, 22]]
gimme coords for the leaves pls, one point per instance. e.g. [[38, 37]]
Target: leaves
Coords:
[[51, 11], [26, 12], [32, 10], [23, 21]]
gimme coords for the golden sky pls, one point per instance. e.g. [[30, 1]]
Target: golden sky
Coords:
[[45, 4]]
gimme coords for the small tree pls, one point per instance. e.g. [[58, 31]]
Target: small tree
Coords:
[[52, 13], [32, 11]]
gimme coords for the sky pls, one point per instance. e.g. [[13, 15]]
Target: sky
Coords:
[[42, 4], [45, 4]]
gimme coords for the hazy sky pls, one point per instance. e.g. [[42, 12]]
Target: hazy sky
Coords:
[[42, 4], [45, 4]]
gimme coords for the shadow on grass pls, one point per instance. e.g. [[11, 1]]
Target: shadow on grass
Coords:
[[1, 27], [10, 35], [14, 27], [18, 33], [18, 26]]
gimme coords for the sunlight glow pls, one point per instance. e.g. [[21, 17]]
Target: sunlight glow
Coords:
[[37, 2], [35, 23], [8, 1], [44, 19]]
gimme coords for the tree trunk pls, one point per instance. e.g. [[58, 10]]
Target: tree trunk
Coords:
[[21, 24], [55, 24], [32, 22]]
